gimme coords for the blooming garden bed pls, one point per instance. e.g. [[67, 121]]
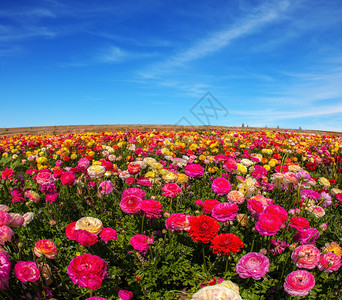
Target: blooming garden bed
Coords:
[[171, 215]]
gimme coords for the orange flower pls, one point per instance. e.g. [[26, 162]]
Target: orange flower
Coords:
[[45, 247]]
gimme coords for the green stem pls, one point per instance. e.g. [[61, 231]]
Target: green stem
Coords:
[[142, 224], [205, 263]]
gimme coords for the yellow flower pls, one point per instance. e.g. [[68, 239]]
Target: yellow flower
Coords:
[[163, 172], [182, 178], [267, 167], [323, 181], [150, 174], [73, 156], [201, 157], [193, 147], [41, 160], [212, 169], [5, 154], [170, 177], [90, 224], [241, 168], [96, 171], [272, 163]]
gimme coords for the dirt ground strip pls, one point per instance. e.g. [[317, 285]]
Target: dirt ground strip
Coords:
[[42, 130]]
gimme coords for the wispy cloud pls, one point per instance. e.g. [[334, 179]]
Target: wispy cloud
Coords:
[[112, 55], [216, 41]]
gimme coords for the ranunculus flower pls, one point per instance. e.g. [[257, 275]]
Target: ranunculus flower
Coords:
[[87, 270], [32, 195], [152, 209], [235, 197], [306, 236], [203, 228], [68, 178], [224, 290], [329, 262], [5, 269], [6, 234], [97, 298], [16, 220], [226, 243], [26, 271], [178, 222], [106, 187], [133, 168], [134, 191], [125, 295], [279, 211], [194, 170], [83, 162], [5, 218], [130, 204], [171, 190], [17, 195], [7, 174], [28, 217], [70, 231], [46, 248], [208, 205], [299, 283], [85, 238], [254, 265], [268, 224], [51, 197], [306, 256], [141, 242], [44, 178], [96, 171], [221, 186], [299, 223], [108, 234], [93, 225], [224, 212]]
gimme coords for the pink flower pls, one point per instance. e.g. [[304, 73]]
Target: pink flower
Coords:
[[16, 220], [6, 234], [97, 298], [141, 242], [134, 191], [178, 222], [68, 178], [106, 187], [268, 224], [329, 262], [306, 256], [17, 195], [171, 190], [306, 236], [224, 212], [194, 170], [44, 178], [32, 195], [85, 238], [130, 204], [26, 271], [299, 283], [254, 265], [235, 197], [221, 186], [51, 197], [152, 209], [125, 295], [5, 269], [45, 247], [259, 172], [108, 234], [279, 211], [5, 218], [83, 162], [87, 270], [230, 165]]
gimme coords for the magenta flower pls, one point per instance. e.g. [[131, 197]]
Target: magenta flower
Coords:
[[171, 190], [130, 204], [224, 212], [221, 186], [5, 269], [306, 236], [108, 234], [278, 247], [141, 242], [268, 224], [329, 262], [254, 265], [194, 170], [306, 256], [125, 295], [152, 209], [26, 271], [299, 283]]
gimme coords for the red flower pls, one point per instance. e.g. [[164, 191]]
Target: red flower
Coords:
[[226, 243], [208, 205], [332, 181], [311, 166], [203, 228]]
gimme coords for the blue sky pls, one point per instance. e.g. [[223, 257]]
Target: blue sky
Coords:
[[151, 62]]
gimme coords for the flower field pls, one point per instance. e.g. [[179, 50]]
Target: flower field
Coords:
[[171, 215]]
